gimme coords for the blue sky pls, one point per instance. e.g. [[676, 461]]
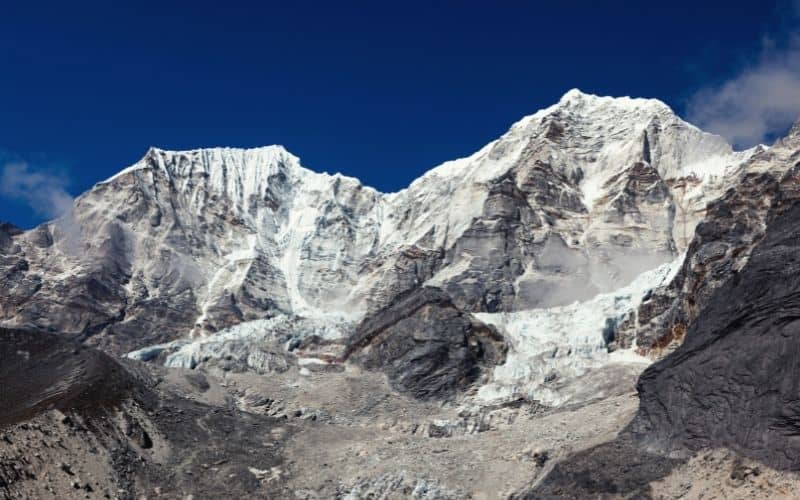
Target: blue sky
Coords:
[[382, 91]]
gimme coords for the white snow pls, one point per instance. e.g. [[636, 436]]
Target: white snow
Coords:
[[250, 341], [564, 343]]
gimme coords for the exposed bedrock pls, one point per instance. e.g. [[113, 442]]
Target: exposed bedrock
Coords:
[[427, 347], [41, 371], [735, 381], [733, 224]]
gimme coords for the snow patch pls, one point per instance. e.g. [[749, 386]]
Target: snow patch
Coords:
[[261, 345]]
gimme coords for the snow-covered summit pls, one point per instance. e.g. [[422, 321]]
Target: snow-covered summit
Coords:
[[576, 98], [600, 135], [597, 122], [238, 172], [579, 151]]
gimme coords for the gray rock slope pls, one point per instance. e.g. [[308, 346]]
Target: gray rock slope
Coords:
[[41, 372], [76, 423]]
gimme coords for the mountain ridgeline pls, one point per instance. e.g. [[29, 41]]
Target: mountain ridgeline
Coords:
[[574, 200]]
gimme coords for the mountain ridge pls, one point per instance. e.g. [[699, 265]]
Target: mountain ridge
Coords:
[[575, 200], [570, 97]]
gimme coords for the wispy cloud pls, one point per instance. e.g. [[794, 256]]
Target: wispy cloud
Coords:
[[45, 192], [763, 98]]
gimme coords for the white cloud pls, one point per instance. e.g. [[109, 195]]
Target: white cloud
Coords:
[[44, 192], [760, 101]]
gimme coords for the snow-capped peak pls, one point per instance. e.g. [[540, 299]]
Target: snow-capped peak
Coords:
[[208, 159], [576, 97], [572, 201], [595, 127]]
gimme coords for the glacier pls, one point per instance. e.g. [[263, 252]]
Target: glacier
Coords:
[[551, 349]]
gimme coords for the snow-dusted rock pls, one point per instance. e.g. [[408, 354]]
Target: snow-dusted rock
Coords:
[[733, 224]]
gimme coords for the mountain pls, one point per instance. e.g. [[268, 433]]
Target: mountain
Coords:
[[575, 200], [523, 288]]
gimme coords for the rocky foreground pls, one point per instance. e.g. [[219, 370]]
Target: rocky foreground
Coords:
[[172, 433]]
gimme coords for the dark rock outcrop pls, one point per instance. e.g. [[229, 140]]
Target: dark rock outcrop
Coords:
[[427, 347], [7, 233], [735, 381], [41, 371], [619, 469]]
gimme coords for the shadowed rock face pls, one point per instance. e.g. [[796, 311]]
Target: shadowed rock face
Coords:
[[426, 346], [139, 430], [619, 469], [735, 381], [40, 371], [7, 232]]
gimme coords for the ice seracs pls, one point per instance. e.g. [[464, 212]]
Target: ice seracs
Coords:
[[552, 349]]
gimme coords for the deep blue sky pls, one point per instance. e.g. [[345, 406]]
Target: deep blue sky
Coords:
[[378, 90]]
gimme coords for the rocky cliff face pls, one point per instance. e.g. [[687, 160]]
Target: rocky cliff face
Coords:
[[426, 345], [574, 200], [733, 224], [732, 382]]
